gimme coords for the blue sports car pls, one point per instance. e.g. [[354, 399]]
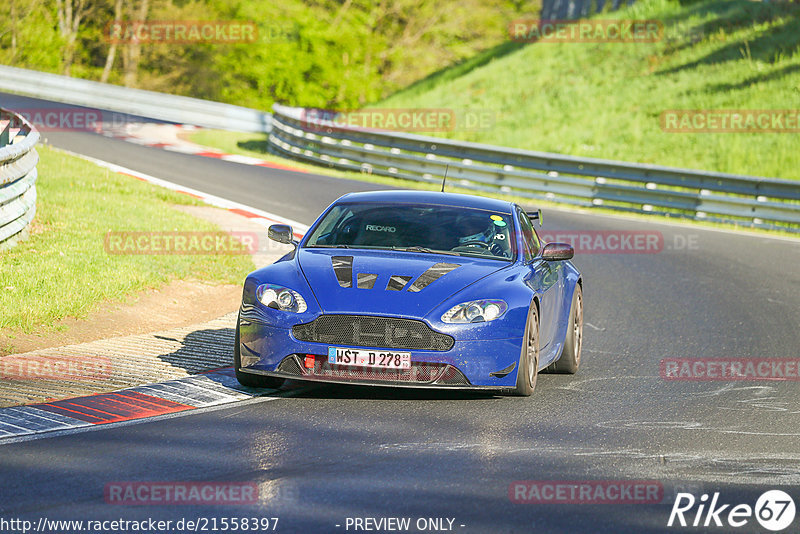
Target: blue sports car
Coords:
[[413, 288]]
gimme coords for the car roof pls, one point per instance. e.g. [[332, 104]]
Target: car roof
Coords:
[[429, 197]]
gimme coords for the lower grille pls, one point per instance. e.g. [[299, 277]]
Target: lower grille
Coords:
[[291, 366], [420, 372], [369, 331]]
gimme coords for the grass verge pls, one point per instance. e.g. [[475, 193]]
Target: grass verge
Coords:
[[63, 269], [606, 100]]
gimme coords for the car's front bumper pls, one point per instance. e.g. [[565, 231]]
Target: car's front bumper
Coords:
[[273, 351]]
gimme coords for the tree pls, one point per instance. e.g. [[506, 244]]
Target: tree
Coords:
[[112, 50], [70, 14], [132, 52]]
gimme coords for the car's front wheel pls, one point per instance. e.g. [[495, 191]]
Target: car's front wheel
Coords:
[[529, 358], [247, 379]]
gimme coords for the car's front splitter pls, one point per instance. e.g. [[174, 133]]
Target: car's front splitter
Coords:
[[502, 390]]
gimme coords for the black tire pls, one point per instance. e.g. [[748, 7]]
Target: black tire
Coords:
[[570, 358], [247, 379], [529, 356]]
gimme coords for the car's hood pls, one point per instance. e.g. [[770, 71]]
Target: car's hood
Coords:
[[383, 282]]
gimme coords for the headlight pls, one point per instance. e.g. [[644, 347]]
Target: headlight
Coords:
[[281, 298], [477, 311]]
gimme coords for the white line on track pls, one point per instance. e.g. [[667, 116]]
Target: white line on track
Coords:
[[590, 325]]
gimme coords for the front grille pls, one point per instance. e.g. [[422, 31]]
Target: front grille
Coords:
[[420, 373], [368, 331]]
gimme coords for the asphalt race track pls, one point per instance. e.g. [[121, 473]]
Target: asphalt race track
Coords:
[[323, 454]]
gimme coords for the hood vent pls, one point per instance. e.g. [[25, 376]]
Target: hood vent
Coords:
[[343, 267], [398, 283], [366, 281], [431, 275]]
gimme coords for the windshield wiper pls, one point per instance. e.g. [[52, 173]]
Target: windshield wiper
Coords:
[[486, 256], [426, 250], [328, 246]]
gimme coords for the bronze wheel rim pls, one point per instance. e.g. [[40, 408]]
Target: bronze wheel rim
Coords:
[[532, 349], [577, 331]]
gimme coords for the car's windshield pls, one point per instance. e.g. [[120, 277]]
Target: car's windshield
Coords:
[[417, 228]]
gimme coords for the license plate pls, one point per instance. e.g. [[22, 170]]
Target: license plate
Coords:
[[369, 358]]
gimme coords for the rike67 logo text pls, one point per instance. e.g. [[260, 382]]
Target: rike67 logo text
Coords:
[[774, 510]]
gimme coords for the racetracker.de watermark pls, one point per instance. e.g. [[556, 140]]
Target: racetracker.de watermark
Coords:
[[181, 243], [730, 121], [608, 241], [586, 31], [75, 119], [399, 119], [181, 32], [58, 367], [729, 369], [61, 119], [180, 493], [586, 492], [621, 241], [212, 523]]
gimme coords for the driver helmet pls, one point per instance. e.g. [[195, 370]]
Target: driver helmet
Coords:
[[482, 234]]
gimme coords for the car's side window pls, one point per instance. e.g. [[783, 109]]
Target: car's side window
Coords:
[[332, 224], [529, 237], [535, 241]]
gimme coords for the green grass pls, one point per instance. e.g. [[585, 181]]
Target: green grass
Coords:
[[63, 270], [249, 144], [605, 100], [256, 146]]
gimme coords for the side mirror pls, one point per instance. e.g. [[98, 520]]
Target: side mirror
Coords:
[[282, 233], [557, 252]]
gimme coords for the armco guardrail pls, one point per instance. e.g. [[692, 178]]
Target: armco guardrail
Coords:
[[18, 159], [745, 200], [160, 106]]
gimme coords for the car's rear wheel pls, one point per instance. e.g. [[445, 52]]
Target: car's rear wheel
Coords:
[[570, 358], [247, 379], [529, 358]]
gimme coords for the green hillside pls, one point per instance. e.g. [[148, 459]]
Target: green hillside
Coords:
[[605, 100], [321, 53]]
